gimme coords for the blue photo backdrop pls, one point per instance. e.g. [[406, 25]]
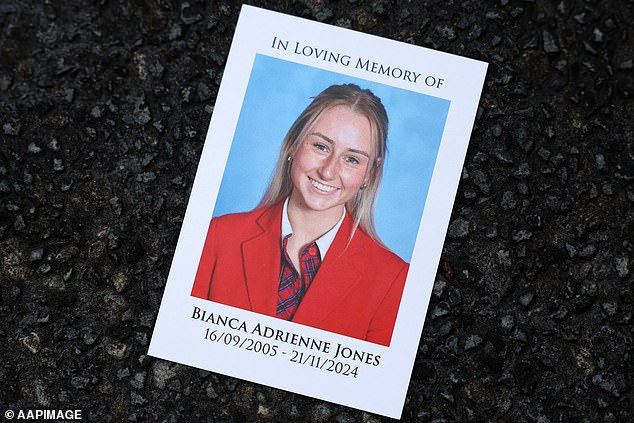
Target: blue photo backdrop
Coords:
[[279, 90]]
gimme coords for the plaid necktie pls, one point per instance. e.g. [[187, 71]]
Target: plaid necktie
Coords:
[[292, 287]]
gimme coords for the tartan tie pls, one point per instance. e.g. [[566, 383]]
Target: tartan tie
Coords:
[[293, 287]]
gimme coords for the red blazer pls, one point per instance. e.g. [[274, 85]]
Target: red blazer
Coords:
[[356, 291]]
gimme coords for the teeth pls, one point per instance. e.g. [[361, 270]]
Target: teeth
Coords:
[[321, 187]]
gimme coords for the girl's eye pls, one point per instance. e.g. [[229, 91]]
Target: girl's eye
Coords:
[[320, 147], [352, 160]]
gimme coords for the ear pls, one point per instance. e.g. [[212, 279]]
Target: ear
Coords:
[[378, 162]]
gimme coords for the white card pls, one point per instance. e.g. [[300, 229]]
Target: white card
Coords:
[[354, 326]]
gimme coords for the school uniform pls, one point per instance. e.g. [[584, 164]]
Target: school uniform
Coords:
[[355, 292]]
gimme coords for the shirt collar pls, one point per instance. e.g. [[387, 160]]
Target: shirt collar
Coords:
[[323, 242]]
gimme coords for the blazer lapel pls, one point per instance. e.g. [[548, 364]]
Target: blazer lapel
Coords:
[[339, 275], [261, 261]]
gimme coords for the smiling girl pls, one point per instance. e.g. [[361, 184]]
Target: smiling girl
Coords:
[[309, 253]]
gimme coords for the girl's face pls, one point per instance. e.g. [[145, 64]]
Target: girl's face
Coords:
[[333, 161]]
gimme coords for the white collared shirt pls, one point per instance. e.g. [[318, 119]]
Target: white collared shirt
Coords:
[[323, 242]]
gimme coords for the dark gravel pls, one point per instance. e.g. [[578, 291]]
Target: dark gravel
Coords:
[[104, 107]]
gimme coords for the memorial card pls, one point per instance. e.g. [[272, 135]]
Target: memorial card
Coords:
[[316, 221]]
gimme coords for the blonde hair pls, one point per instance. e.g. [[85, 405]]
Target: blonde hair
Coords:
[[362, 101]]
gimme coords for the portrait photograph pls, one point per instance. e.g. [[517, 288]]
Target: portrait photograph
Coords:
[[346, 161]]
